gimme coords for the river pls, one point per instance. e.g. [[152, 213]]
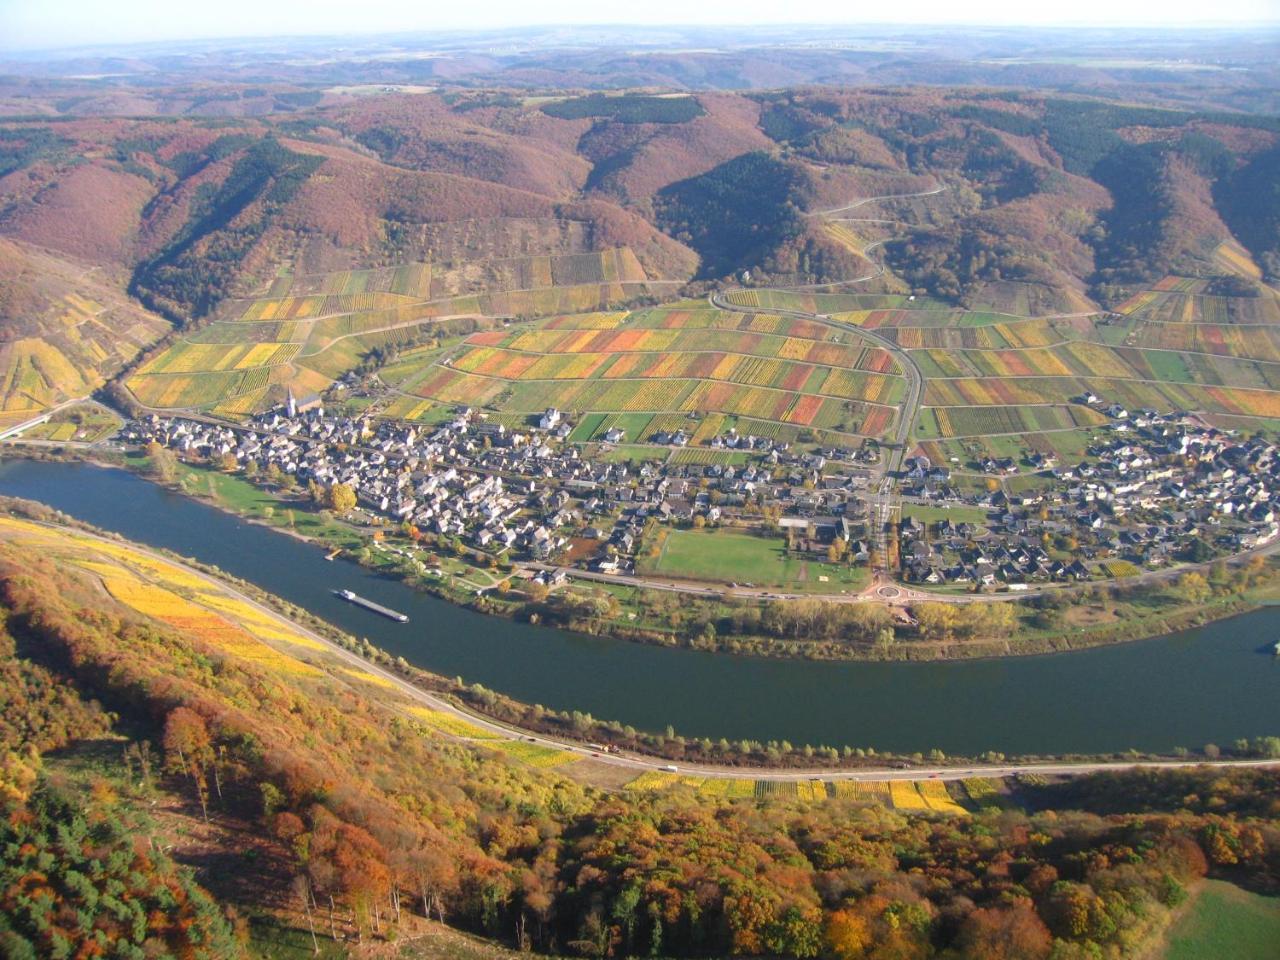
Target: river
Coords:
[[1212, 684]]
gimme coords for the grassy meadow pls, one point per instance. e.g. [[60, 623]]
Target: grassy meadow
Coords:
[[730, 557], [1226, 921]]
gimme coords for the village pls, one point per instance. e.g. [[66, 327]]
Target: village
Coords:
[[1155, 490]]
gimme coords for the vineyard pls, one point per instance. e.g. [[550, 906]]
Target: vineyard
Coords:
[[914, 796], [1255, 343], [200, 609], [997, 420], [827, 303], [191, 604], [1173, 346], [66, 350], [1178, 307], [1018, 335], [1135, 395], [305, 331], [687, 359], [34, 375]]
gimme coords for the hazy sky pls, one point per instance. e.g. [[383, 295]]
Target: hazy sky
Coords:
[[37, 24]]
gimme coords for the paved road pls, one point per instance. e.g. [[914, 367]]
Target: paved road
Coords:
[[641, 763], [828, 214], [40, 418]]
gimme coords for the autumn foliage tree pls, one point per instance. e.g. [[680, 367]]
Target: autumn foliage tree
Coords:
[[340, 498], [189, 750]]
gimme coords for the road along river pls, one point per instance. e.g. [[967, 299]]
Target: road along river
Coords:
[[1212, 684]]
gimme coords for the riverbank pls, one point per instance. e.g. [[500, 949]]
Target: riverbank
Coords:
[[1069, 619]]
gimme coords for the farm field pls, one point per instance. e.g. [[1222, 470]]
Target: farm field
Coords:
[[727, 556], [1226, 921]]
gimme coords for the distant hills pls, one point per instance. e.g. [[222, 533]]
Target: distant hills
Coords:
[[1081, 197], [1224, 66]]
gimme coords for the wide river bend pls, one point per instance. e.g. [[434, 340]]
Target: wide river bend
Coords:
[[1212, 684]]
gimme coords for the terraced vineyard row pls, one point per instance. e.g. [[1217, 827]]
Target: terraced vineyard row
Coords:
[[994, 420], [1132, 394], [846, 384], [1088, 359], [654, 395], [918, 796]]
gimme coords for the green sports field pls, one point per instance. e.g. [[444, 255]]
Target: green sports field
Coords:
[[731, 557]]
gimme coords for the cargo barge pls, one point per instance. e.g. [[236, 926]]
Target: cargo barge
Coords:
[[360, 601]]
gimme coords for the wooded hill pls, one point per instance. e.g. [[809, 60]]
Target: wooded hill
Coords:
[[345, 816], [1078, 198]]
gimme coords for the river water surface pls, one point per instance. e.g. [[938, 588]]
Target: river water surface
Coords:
[[1212, 684]]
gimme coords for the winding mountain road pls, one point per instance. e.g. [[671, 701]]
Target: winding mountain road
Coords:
[[854, 205]]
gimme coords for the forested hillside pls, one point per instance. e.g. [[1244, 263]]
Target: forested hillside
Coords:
[[1070, 194], [1073, 196], [363, 815]]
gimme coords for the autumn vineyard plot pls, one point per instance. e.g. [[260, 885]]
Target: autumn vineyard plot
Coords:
[[306, 331], [911, 796]]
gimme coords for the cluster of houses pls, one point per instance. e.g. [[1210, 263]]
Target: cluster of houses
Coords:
[[429, 480], [949, 553], [1157, 489], [491, 487]]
